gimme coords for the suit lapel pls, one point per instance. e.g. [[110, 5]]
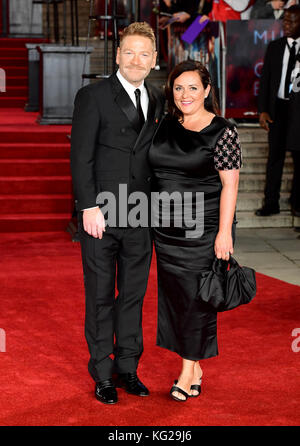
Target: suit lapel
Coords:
[[279, 55], [278, 60], [123, 100], [281, 48], [151, 112], [152, 115], [152, 102]]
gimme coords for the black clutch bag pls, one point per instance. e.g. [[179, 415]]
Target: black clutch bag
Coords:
[[227, 285]]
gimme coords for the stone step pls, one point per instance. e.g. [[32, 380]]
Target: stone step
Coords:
[[250, 201], [252, 134], [255, 149], [296, 222], [256, 182], [248, 219], [258, 165]]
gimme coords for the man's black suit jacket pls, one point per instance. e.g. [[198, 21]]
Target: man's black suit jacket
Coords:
[[271, 76], [106, 146], [268, 90]]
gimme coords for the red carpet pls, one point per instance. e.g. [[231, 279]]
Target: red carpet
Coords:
[[44, 378], [35, 180]]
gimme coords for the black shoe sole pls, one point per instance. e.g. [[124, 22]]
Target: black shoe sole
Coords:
[[133, 393], [136, 394], [119, 386], [105, 402]]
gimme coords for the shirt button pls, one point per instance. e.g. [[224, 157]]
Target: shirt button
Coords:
[[133, 153], [133, 177]]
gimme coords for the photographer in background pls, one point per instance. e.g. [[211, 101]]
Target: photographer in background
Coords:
[[223, 10], [182, 11], [266, 9]]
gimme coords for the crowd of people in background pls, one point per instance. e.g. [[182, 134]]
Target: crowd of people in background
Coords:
[[281, 117], [222, 10]]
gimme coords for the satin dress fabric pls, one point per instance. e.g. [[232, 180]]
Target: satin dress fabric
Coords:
[[183, 160]]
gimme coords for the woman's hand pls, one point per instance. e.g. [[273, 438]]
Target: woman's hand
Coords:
[[181, 16], [203, 18], [162, 21], [223, 245], [277, 4]]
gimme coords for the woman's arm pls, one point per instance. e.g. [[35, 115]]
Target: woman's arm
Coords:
[[228, 160], [230, 184]]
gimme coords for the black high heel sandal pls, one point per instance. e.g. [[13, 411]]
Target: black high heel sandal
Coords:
[[179, 390], [196, 387]]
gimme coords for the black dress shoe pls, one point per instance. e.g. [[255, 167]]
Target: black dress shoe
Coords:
[[131, 384], [106, 392], [266, 211]]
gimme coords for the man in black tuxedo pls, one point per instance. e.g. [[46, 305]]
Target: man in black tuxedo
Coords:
[[113, 124], [277, 113]]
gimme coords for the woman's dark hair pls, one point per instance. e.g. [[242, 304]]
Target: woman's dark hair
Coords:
[[210, 103]]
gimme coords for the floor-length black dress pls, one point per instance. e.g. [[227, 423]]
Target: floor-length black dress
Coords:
[[188, 161]]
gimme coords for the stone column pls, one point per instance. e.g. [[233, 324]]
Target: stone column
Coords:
[[62, 68]]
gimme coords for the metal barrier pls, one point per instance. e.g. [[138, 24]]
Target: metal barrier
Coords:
[[4, 18]]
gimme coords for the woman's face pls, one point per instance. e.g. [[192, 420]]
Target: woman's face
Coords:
[[189, 93]]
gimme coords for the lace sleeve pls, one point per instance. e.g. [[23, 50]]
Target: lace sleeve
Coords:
[[228, 152]]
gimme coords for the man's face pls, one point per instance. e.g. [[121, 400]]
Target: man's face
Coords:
[[291, 24], [136, 57]]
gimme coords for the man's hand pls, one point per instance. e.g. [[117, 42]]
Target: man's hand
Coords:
[[264, 119], [94, 222], [277, 4]]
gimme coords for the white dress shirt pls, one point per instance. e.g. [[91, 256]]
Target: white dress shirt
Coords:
[[285, 62], [130, 89]]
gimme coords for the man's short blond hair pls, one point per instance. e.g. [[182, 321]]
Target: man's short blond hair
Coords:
[[139, 29]]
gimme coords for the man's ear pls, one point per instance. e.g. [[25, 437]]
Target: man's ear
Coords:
[[154, 59]]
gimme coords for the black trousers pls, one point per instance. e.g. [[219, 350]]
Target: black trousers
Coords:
[[113, 325], [277, 151]]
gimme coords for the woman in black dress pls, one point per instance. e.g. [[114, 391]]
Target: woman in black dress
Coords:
[[196, 151]]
